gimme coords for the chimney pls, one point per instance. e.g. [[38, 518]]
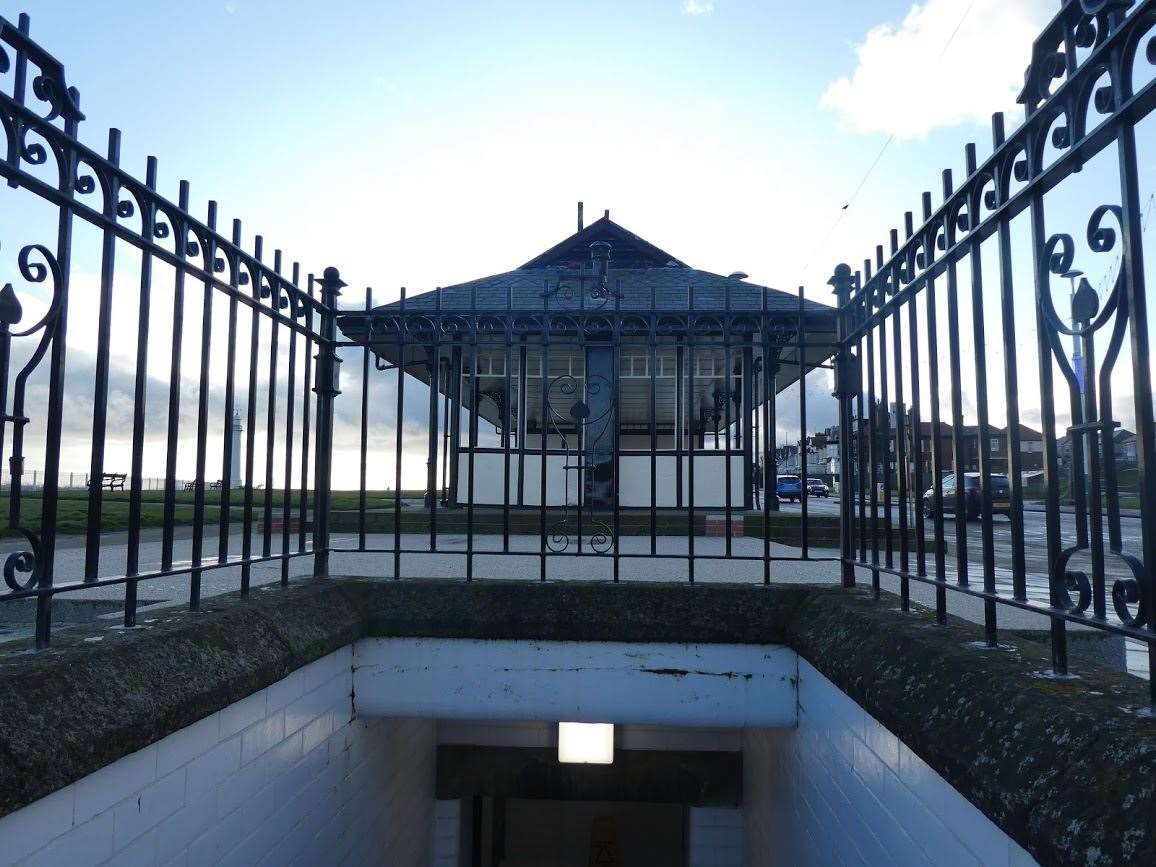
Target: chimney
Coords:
[[600, 260], [606, 214], [579, 216]]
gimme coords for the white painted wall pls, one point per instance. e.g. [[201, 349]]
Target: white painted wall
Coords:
[[718, 684], [709, 480], [714, 837], [634, 491], [283, 777], [841, 789]]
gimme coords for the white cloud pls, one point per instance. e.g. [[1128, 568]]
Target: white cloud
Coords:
[[697, 7], [905, 85]]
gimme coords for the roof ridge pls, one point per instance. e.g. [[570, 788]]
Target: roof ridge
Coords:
[[591, 233]]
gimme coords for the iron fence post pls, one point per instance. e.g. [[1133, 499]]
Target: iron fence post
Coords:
[[327, 381], [846, 387]]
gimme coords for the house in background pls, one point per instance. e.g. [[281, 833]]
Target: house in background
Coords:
[[822, 455], [1125, 446], [1124, 443], [927, 445], [997, 446]]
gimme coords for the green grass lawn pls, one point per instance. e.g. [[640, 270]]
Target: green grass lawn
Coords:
[[72, 514], [72, 510], [1128, 480]]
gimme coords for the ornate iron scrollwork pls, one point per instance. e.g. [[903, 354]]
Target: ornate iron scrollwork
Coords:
[[600, 292], [590, 430], [27, 562], [49, 86], [1093, 422], [497, 396]]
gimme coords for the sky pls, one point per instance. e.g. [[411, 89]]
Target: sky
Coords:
[[427, 143]]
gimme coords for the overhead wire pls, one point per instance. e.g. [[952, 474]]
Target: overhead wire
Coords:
[[878, 157]]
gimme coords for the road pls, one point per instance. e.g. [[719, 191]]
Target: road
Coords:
[[1035, 542]]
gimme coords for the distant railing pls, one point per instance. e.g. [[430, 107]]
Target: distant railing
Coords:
[[1088, 87], [74, 480]]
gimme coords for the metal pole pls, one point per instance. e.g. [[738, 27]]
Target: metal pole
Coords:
[[846, 387], [327, 388]]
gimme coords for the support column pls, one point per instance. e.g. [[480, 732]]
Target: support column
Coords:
[[326, 386], [455, 423], [771, 470], [744, 429], [679, 424], [432, 459], [846, 388], [522, 421]]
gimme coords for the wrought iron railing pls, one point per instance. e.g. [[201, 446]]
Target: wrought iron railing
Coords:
[[1088, 87], [225, 394], [256, 304], [551, 482]]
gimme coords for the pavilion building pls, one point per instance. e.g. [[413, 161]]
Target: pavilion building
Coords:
[[646, 382]]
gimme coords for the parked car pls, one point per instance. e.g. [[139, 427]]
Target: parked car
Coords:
[[999, 495], [817, 488], [789, 488]]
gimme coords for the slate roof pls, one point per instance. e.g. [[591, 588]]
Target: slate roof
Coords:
[[669, 288], [645, 276]]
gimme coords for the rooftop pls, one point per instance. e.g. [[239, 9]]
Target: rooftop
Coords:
[[639, 276]]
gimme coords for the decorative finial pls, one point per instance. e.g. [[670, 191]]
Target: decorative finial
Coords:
[[842, 282], [331, 281], [10, 309]]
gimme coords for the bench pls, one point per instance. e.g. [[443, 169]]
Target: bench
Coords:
[[213, 486], [110, 481]]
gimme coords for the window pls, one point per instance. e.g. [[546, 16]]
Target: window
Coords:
[[637, 367], [995, 445], [634, 366], [488, 365]]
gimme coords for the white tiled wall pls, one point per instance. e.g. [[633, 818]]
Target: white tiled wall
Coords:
[[282, 777], [715, 837], [446, 834], [841, 789]]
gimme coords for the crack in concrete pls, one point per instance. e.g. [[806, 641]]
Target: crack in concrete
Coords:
[[683, 672]]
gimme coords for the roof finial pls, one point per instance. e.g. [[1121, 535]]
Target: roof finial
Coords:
[[579, 216]]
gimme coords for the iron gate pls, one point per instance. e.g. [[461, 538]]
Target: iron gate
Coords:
[[1086, 91]]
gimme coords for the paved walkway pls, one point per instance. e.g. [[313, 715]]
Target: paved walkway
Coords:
[[522, 562]]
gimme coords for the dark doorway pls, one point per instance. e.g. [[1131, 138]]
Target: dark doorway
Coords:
[[519, 832]]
